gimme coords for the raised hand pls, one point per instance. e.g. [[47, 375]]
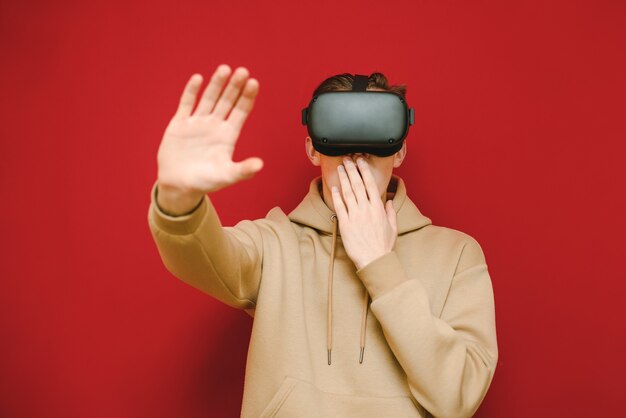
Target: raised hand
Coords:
[[368, 227], [195, 154]]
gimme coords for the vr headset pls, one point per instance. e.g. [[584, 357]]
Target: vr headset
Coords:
[[343, 122]]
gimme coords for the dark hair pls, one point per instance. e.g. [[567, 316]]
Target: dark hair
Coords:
[[344, 81]]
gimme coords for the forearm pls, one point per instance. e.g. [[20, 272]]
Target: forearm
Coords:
[[224, 262], [448, 372], [449, 360]]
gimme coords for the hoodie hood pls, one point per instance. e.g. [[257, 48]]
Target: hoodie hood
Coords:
[[314, 213]]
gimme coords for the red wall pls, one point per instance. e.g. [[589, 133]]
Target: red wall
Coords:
[[518, 141]]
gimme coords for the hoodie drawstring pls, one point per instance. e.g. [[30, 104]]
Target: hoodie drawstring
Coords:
[[329, 335], [329, 314]]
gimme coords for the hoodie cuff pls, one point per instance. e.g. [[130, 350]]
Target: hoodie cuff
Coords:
[[176, 225], [382, 274]]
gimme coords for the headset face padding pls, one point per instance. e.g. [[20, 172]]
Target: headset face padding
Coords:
[[342, 122]]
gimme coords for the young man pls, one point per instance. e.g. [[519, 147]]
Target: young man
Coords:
[[355, 265]]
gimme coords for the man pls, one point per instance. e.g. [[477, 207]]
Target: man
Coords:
[[356, 243]]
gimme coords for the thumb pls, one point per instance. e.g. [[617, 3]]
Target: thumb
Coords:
[[247, 168], [391, 214]]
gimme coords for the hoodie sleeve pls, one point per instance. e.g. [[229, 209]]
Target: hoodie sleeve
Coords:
[[449, 360], [224, 262]]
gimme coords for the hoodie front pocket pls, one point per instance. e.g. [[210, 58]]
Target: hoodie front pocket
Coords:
[[299, 398]]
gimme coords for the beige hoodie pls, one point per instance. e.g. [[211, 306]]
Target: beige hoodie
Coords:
[[427, 343]]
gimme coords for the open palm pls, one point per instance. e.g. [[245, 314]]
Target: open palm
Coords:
[[195, 154]]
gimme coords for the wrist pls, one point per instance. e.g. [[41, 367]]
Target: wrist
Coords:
[[365, 261], [175, 202]]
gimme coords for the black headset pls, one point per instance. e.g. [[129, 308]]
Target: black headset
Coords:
[[343, 122]]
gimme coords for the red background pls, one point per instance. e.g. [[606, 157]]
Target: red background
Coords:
[[518, 141]]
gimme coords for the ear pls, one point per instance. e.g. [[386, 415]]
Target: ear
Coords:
[[398, 157], [313, 155]]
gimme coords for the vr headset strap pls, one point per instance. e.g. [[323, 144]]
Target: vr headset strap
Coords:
[[360, 82]]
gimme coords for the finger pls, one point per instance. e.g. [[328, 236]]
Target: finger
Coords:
[[247, 168], [212, 91], [370, 183], [355, 181], [231, 93], [244, 104], [188, 98], [346, 189], [340, 208]]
